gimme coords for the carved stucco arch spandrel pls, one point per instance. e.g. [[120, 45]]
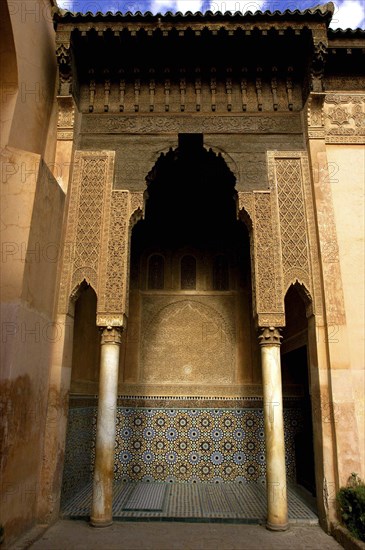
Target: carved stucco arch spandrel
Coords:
[[290, 185], [266, 269], [87, 224], [100, 220], [267, 261], [283, 241], [126, 209], [258, 210], [96, 248]]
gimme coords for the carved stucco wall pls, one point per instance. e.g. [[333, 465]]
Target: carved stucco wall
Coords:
[[97, 236], [187, 341], [281, 221], [344, 118], [283, 239], [289, 178], [268, 286], [113, 304], [86, 223]]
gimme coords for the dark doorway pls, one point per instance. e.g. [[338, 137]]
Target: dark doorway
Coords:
[[295, 374]]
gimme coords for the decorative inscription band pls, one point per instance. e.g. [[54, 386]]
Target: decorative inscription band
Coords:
[[106, 124]]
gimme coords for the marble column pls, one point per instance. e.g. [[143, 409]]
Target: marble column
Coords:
[[277, 508], [101, 512]]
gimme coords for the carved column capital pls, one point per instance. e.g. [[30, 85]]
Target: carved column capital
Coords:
[[111, 335], [270, 336]]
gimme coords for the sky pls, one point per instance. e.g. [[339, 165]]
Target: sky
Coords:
[[348, 13]]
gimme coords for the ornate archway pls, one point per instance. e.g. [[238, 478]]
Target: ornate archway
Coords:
[[190, 281]]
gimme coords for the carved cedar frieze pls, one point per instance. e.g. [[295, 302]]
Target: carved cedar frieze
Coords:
[[88, 211], [140, 124]]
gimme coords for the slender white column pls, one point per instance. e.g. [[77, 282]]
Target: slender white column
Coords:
[[277, 507], [101, 512]]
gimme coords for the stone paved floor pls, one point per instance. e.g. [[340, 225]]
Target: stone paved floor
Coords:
[[78, 535], [240, 502], [154, 517]]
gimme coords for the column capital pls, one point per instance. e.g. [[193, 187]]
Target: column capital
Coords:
[[111, 335], [270, 336]]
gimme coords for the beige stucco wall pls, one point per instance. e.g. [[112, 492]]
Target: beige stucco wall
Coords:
[[347, 177], [32, 205], [34, 40], [8, 74], [32, 214]]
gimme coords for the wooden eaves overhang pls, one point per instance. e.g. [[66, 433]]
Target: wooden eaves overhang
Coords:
[[108, 43], [346, 54]]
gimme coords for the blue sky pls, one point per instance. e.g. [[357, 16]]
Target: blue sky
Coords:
[[348, 13]]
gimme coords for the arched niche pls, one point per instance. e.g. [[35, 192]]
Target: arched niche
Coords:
[[86, 343], [191, 222]]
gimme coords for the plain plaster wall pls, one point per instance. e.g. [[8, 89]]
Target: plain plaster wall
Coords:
[[32, 205], [348, 185]]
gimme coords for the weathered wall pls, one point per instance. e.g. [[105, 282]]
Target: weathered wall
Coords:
[[32, 214], [347, 176]]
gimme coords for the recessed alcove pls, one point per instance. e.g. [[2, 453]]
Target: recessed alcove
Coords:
[[190, 329]]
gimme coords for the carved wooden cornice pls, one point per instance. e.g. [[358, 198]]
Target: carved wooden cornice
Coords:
[[106, 32]]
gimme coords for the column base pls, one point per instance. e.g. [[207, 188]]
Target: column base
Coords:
[[277, 526], [100, 522]]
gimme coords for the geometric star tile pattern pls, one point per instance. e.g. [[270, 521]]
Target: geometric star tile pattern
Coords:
[[182, 445], [177, 445]]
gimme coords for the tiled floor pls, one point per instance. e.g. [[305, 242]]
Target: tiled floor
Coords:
[[233, 502]]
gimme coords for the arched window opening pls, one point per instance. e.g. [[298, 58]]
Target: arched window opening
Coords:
[[220, 273], [188, 273], [156, 272]]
